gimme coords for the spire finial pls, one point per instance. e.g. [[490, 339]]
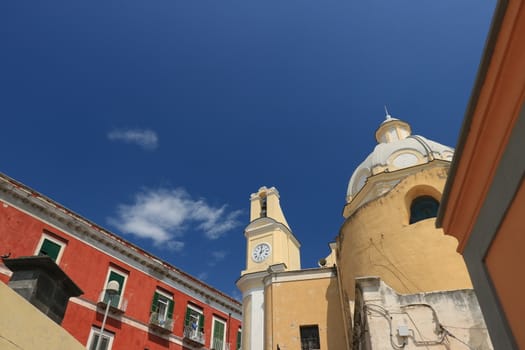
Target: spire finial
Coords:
[[388, 116]]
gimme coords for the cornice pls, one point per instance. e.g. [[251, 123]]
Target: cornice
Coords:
[[300, 275], [252, 280], [255, 228], [373, 181]]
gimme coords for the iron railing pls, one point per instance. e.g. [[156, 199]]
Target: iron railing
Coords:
[[118, 304], [194, 334], [160, 322]]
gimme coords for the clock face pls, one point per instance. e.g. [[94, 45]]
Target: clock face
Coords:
[[261, 252]]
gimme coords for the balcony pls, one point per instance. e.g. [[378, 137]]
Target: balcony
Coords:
[[194, 336], [160, 323], [118, 304]]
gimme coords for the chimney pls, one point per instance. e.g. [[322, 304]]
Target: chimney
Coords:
[[43, 283]]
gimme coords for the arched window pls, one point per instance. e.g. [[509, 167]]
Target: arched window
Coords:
[[422, 208]]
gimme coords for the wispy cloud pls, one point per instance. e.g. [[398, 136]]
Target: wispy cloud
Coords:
[[164, 215], [202, 276], [217, 256], [144, 138], [236, 294]]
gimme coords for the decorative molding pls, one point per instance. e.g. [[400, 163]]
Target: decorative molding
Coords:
[[300, 275], [265, 225]]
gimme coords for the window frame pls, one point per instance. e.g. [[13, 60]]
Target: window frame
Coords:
[[170, 304], [52, 239], [95, 331], [200, 323], [225, 330], [417, 205], [308, 327], [239, 339], [122, 288]]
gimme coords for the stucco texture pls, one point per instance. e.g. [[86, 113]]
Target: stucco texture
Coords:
[[377, 240], [292, 304], [23, 326]]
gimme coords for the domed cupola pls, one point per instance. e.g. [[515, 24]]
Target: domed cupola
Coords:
[[396, 153]]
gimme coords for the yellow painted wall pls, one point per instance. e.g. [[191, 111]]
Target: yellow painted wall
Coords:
[[283, 250], [23, 326], [273, 205], [291, 304], [272, 229], [377, 240]]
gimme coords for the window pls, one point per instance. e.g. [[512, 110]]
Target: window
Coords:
[[120, 277], [422, 208], [218, 332], [309, 337], [194, 318], [162, 308], [194, 324], [94, 335], [50, 246], [239, 339]]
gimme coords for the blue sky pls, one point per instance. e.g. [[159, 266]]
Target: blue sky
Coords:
[[157, 119]]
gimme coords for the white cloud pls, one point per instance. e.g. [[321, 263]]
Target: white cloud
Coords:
[[202, 276], [164, 215], [145, 138]]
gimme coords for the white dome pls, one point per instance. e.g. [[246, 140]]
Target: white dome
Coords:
[[396, 149]]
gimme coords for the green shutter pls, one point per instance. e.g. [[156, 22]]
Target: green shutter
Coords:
[[103, 346], [113, 276], [187, 317], [50, 249], [154, 303], [218, 330], [239, 336], [201, 323], [170, 309], [94, 342]]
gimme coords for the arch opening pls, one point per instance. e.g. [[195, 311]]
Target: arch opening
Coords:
[[422, 208]]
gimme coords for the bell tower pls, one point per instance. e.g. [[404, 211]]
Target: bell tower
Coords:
[[270, 246], [269, 238]]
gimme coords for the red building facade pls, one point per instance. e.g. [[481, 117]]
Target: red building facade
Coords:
[[157, 307]]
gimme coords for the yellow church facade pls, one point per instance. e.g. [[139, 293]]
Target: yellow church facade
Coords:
[[388, 252]]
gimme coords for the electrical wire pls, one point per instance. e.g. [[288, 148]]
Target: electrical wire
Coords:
[[384, 312], [447, 333]]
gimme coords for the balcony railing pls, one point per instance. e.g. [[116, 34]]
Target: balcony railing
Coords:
[[161, 323], [218, 344], [117, 303], [194, 335]]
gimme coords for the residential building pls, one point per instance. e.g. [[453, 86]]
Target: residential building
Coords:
[[158, 306]]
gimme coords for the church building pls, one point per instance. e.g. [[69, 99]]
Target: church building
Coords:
[[391, 280]]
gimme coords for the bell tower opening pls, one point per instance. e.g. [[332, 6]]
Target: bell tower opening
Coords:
[[263, 202]]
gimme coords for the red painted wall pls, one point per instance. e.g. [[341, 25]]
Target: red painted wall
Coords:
[[87, 266]]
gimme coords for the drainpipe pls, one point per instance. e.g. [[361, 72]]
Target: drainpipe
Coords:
[[228, 323], [343, 306]]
